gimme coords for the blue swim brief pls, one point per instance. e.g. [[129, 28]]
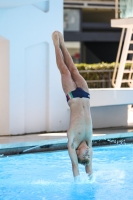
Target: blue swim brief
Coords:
[[78, 93]]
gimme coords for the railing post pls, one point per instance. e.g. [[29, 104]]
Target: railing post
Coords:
[[116, 9]]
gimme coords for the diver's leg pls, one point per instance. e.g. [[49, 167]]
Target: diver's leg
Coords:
[[67, 81], [78, 79]]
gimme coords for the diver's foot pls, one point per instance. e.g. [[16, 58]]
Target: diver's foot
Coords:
[[61, 39], [55, 38]]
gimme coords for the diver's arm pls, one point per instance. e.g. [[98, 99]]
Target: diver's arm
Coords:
[[88, 167], [74, 160]]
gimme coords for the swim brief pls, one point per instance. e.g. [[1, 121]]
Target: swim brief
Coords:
[[78, 93]]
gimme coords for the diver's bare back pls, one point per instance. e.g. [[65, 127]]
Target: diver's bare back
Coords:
[[80, 128]]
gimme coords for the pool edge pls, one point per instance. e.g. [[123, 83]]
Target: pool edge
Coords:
[[60, 144]]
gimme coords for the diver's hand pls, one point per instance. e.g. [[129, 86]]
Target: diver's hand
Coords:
[[90, 176], [77, 179]]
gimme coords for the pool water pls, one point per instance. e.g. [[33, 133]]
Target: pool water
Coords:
[[48, 176]]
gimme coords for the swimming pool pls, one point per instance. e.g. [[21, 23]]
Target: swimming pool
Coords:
[[48, 176]]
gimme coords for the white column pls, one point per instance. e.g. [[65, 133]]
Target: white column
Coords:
[[4, 86]]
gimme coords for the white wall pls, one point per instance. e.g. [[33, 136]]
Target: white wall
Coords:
[[109, 116], [109, 106], [34, 78], [36, 87]]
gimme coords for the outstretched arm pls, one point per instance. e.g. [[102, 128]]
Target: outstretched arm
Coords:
[[88, 167], [74, 160]]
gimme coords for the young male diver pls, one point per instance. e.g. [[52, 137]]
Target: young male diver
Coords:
[[77, 94]]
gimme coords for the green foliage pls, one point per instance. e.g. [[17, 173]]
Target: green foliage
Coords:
[[99, 75], [97, 66]]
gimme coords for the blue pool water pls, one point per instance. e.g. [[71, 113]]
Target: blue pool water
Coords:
[[48, 176]]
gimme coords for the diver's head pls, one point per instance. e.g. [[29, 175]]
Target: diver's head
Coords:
[[83, 154]]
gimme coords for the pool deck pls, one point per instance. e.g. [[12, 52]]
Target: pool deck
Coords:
[[55, 141]]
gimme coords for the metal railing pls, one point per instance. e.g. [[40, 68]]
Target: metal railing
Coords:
[[98, 78], [102, 78], [98, 4], [116, 9]]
